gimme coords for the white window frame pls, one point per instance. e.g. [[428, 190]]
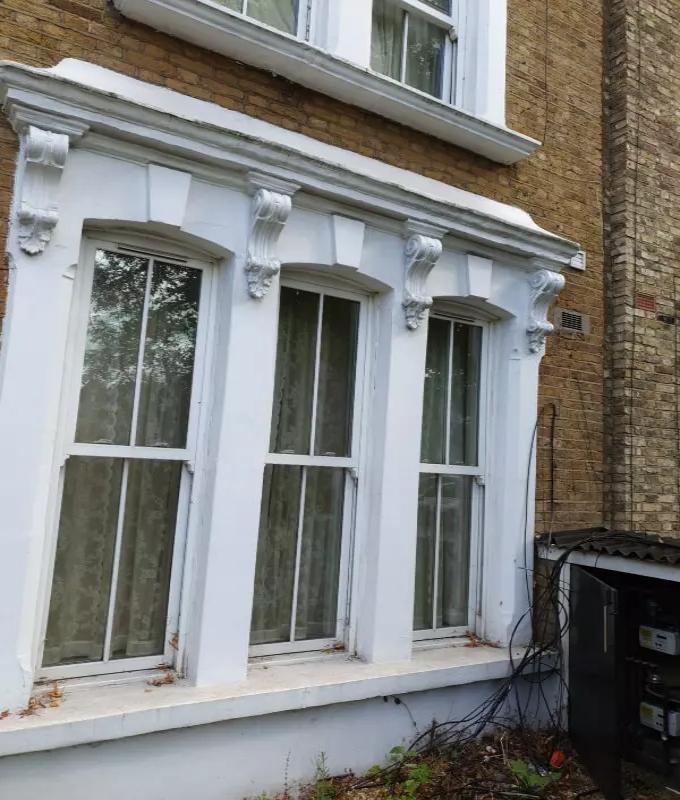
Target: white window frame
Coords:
[[166, 252], [305, 12], [451, 71], [351, 466], [334, 58], [478, 474]]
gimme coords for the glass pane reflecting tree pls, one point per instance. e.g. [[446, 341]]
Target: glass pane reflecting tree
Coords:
[[119, 509]]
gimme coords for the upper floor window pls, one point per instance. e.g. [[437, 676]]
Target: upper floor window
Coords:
[[414, 43], [394, 58], [289, 16]]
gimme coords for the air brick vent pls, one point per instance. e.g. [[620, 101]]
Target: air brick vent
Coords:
[[567, 321]]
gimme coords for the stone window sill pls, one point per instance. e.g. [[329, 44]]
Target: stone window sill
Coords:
[[95, 713], [230, 34]]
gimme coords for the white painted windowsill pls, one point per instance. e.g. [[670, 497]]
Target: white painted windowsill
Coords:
[[215, 28], [96, 713]]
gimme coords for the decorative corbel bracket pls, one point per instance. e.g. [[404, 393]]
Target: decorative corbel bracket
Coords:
[[45, 141], [38, 211], [272, 204], [422, 251], [545, 286]]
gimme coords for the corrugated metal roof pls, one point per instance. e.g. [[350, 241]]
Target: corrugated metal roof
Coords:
[[627, 544]]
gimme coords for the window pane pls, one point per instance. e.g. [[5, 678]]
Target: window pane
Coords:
[[169, 356], [387, 37], [442, 5], [112, 349], [294, 382], [141, 609], [454, 551], [281, 14], [467, 352], [276, 553], [427, 536], [337, 371], [433, 442], [235, 5], [317, 601], [81, 585], [424, 55]]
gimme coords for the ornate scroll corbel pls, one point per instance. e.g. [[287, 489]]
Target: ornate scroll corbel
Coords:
[[422, 253], [545, 286], [272, 203], [44, 155]]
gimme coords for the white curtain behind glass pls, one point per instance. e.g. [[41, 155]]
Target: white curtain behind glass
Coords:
[[281, 14], [300, 538], [387, 38], [129, 294]]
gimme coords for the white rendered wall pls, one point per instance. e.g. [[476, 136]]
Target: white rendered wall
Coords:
[[223, 528], [239, 759], [189, 182]]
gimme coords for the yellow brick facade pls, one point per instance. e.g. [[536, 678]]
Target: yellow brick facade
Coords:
[[554, 93]]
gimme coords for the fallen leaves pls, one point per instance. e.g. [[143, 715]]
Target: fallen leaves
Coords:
[[48, 699], [167, 678], [476, 641]]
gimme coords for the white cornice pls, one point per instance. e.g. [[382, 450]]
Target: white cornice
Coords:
[[131, 113], [218, 29]]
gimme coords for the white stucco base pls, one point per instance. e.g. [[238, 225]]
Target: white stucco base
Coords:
[[181, 175], [238, 758]]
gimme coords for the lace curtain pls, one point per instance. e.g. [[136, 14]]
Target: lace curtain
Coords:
[[281, 14], [300, 539], [131, 500], [423, 50]]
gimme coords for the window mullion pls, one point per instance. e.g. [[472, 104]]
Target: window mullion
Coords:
[[244, 7], [449, 399], [298, 554], [404, 48], [315, 390], [437, 537], [304, 19], [140, 355], [116, 562]]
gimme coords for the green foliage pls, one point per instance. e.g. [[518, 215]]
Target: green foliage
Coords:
[[323, 788], [529, 778], [417, 774], [397, 754]]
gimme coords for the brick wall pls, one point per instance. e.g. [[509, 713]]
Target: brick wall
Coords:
[[554, 94], [643, 264]]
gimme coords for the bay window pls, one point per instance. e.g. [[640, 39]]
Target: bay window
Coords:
[[303, 556], [126, 480], [451, 473], [414, 42]]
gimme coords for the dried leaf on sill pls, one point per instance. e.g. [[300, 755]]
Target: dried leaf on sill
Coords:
[[164, 680], [477, 641], [49, 699]]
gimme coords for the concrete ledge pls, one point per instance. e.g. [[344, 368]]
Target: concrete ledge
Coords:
[[97, 713]]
